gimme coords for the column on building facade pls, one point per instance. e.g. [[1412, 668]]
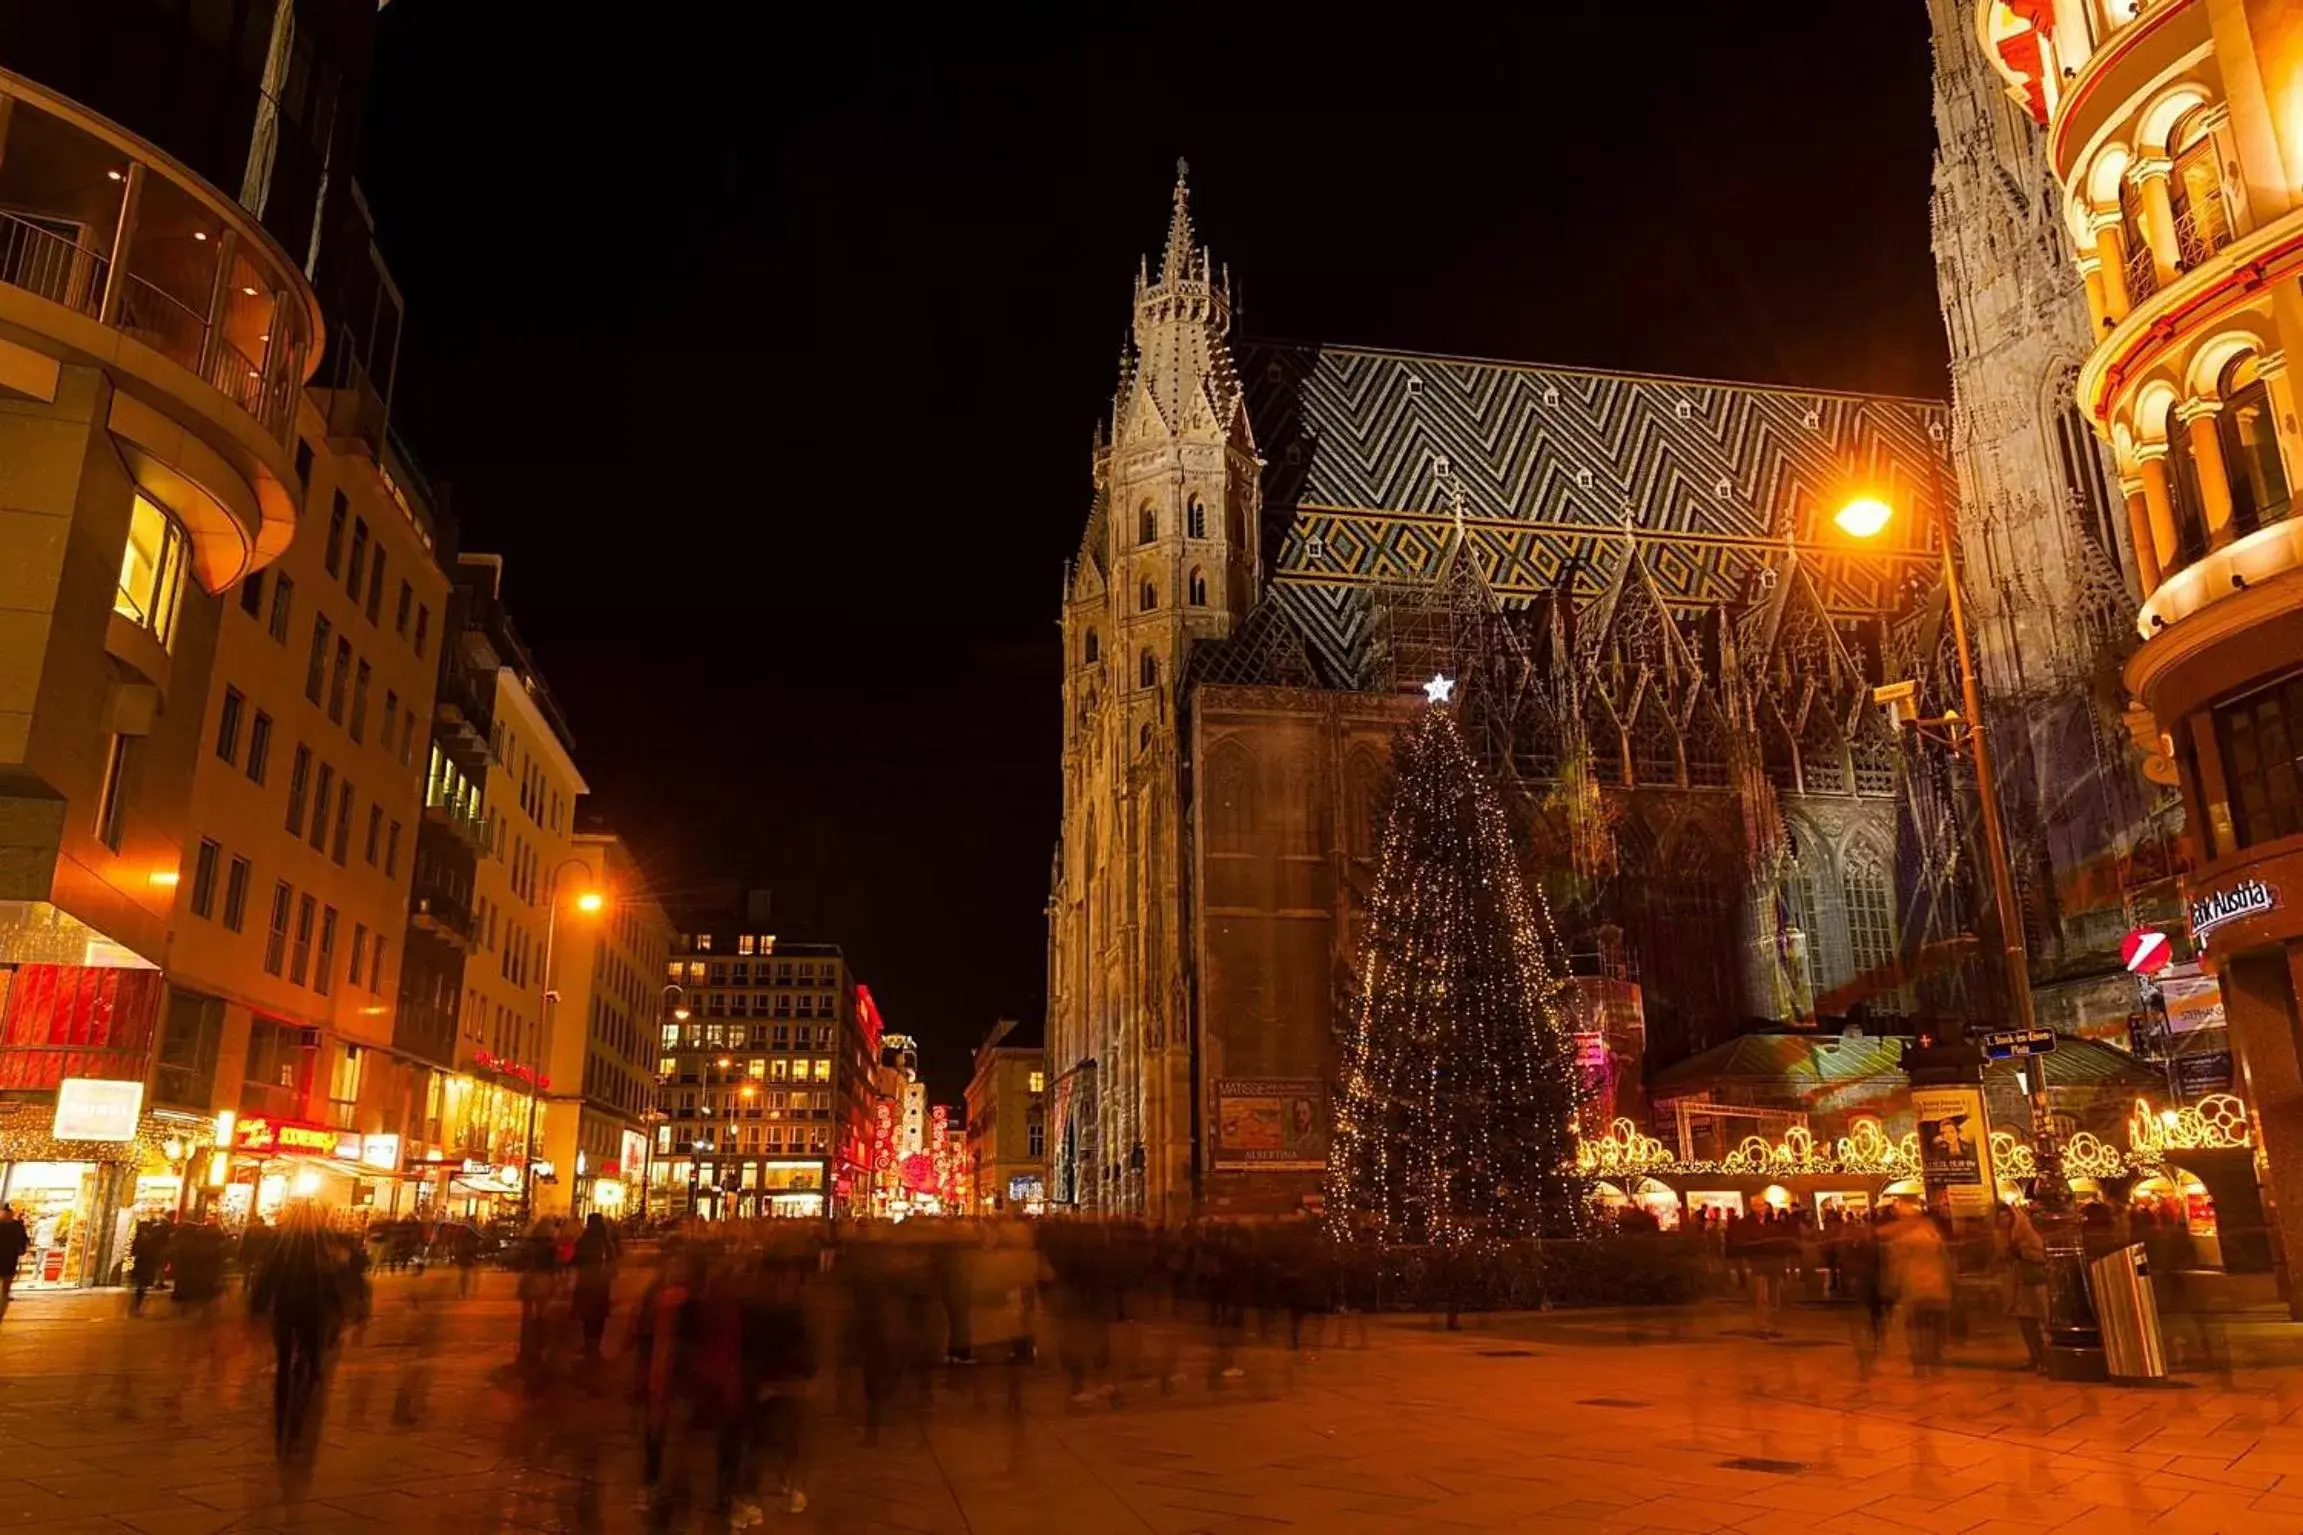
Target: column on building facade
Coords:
[[2098, 303], [2213, 480], [2271, 367], [2139, 533], [2153, 180], [2217, 121], [2159, 503], [2111, 258]]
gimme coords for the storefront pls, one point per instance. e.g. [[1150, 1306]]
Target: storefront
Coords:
[[82, 1170], [2229, 698], [277, 1163]]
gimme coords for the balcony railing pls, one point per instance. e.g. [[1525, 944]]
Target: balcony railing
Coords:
[[2201, 229], [48, 264], [2142, 272]]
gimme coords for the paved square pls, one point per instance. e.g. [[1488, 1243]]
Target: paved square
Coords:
[[1568, 1422]]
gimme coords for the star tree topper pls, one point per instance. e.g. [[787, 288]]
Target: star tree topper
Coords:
[[1440, 690]]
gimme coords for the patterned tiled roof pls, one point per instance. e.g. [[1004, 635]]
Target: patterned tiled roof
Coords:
[[1368, 450]]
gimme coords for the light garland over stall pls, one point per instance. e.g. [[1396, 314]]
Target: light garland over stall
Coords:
[[2216, 1122]]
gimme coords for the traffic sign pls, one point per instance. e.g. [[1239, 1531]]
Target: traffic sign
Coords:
[[2146, 951], [2007, 1044]]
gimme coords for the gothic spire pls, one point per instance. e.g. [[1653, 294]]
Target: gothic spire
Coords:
[[1176, 262]]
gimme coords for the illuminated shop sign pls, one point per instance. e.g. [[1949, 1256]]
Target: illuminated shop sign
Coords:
[[272, 1135], [97, 1109], [2248, 898]]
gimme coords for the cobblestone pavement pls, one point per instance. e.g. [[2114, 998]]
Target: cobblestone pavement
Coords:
[[1566, 1422]]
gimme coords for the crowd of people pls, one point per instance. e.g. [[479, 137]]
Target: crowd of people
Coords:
[[726, 1339]]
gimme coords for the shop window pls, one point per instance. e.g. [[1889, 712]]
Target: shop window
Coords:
[[152, 570], [2261, 740], [2250, 449]]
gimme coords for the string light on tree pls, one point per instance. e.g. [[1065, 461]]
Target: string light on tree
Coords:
[[1457, 1122]]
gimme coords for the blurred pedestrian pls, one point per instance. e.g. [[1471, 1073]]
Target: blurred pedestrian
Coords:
[[298, 1288], [15, 1241], [1921, 1263], [2023, 1258], [595, 1255], [147, 1256]]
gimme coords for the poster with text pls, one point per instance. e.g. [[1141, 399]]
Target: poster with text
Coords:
[[1270, 1124], [1954, 1149]]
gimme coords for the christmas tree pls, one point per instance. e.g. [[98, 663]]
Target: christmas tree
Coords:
[[1458, 1115]]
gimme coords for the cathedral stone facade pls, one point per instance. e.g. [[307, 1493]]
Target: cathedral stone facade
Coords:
[[2051, 572], [1663, 653]]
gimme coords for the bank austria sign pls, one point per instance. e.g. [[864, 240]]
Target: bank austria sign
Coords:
[[2248, 898]]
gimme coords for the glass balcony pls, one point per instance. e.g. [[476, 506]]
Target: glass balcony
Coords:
[[97, 222]]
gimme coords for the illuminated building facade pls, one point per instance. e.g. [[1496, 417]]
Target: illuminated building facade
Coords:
[[767, 1087], [165, 185], [606, 1033], [526, 863], [1285, 542], [2174, 135], [1007, 1148]]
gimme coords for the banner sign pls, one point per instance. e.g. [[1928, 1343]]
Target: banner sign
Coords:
[[1955, 1149], [1270, 1124], [97, 1109]]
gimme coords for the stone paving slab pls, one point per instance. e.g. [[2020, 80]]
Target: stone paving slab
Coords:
[[159, 1425]]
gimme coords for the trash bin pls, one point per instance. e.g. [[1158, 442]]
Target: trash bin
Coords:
[[2128, 1313]]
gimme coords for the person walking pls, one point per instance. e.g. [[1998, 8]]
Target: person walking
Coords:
[[15, 1241], [147, 1256], [2023, 1255], [298, 1287], [595, 1257], [1921, 1264]]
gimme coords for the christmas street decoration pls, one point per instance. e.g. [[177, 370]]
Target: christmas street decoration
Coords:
[[1457, 1122]]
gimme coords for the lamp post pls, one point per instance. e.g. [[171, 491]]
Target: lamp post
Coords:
[[2075, 1343], [590, 903]]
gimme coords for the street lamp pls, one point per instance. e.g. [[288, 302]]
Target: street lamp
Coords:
[[590, 902], [2070, 1319]]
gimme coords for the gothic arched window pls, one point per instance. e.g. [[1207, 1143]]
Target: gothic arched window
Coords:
[[1195, 518], [1705, 744], [1147, 524], [1230, 800], [1654, 746], [2081, 464], [1091, 651], [2250, 451], [1198, 588], [1691, 924], [1869, 896], [1150, 597], [1147, 670]]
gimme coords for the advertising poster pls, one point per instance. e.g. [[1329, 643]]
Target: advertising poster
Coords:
[[1270, 1124], [1955, 1149]]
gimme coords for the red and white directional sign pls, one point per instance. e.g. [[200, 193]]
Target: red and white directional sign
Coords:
[[2146, 951]]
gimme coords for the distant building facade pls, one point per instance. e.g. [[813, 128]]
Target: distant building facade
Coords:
[[1007, 1122], [767, 1087]]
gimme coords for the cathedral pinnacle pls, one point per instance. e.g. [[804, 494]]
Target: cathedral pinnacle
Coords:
[[1177, 261]]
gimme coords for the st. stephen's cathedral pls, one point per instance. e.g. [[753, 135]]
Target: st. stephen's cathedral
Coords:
[[1663, 653]]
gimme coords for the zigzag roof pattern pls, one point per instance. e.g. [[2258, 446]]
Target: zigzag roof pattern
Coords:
[[1552, 465]]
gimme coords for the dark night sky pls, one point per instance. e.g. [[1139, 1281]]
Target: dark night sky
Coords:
[[767, 352]]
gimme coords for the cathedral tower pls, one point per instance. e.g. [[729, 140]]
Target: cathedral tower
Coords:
[[2043, 534], [1169, 560]]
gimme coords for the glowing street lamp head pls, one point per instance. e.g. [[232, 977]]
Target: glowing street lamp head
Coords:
[[1864, 517], [590, 901]]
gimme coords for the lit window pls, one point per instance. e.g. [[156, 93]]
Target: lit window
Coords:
[[151, 570], [1039, 1082]]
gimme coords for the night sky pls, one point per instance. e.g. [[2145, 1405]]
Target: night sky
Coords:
[[767, 352]]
